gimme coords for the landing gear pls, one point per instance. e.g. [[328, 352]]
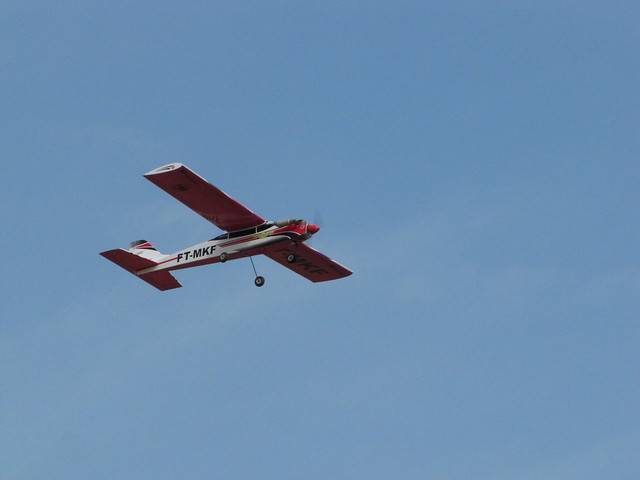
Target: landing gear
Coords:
[[223, 257], [291, 258], [259, 281]]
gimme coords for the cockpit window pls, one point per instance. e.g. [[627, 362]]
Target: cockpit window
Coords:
[[242, 233]]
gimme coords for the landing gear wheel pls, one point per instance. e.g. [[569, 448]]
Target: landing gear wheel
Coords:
[[223, 257], [291, 258], [259, 281]]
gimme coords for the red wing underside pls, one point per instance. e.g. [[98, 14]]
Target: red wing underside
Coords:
[[309, 263], [203, 198]]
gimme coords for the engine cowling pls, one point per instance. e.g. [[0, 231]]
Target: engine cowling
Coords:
[[284, 223]]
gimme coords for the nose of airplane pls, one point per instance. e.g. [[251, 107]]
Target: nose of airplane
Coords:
[[313, 229]]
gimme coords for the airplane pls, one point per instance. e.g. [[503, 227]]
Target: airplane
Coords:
[[246, 235]]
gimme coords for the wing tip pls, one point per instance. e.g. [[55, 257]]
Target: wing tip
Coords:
[[164, 168]]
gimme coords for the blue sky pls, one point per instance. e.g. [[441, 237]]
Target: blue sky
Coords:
[[475, 164]]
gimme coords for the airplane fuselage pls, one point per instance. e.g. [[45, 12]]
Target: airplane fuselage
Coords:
[[232, 245]]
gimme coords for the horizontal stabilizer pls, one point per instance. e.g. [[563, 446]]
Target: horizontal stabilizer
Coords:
[[127, 260], [162, 280]]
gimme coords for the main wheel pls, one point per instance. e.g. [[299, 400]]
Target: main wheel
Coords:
[[223, 257], [291, 258], [259, 281]]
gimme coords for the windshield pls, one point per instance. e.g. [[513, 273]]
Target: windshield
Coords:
[[242, 233]]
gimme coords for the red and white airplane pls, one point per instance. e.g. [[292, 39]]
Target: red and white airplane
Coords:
[[247, 235]]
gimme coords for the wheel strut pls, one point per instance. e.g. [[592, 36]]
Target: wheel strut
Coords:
[[259, 281]]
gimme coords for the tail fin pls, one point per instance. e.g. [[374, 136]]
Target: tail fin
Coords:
[[142, 244], [145, 250], [140, 256]]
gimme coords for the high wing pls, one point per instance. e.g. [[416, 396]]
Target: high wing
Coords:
[[202, 197], [309, 263]]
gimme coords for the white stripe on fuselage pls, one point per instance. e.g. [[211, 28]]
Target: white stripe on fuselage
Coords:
[[210, 251]]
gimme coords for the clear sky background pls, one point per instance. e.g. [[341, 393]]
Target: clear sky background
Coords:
[[476, 165]]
